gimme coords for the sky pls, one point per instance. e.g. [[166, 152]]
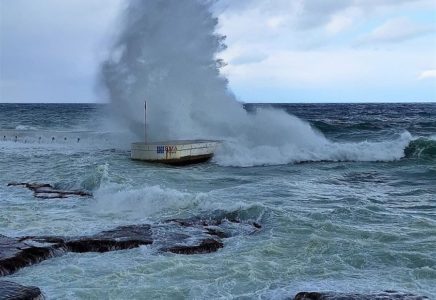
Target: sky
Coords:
[[278, 50]]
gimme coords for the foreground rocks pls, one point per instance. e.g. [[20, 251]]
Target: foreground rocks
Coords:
[[387, 295], [47, 191], [16, 253], [14, 291], [175, 236]]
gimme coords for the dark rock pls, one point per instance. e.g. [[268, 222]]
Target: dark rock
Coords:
[[387, 295], [47, 191], [31, 185], [120, 238], [257, 225], [18, 253], [206, 246], [176, 236], [14, 291], [217, 233], [195, 222], [181, 222]]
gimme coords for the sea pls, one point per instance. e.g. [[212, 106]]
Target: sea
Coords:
[[357, 214]]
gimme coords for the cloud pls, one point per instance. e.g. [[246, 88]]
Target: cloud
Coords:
[[338, 24], [395, 31], [315, 13], [427, 74], [311, 14], [248, 59], [53, 48], [360, 68]]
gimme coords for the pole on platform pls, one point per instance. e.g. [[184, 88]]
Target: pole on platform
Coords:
[[145, 121]]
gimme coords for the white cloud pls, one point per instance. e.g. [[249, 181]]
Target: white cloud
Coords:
[[427, 74], [338, 24], [312, 14], [339, 69], [395, 31]]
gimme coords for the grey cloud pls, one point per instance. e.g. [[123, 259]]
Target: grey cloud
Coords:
[[51, 48]]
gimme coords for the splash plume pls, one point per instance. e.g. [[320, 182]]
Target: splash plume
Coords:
[[166, 53]]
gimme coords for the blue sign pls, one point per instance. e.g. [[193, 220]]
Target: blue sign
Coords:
[[160, 150]]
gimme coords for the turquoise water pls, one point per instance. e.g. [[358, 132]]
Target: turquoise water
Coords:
[[359, 215]]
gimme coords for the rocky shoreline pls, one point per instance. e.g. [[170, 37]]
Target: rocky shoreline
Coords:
[[172, 236], [186, 237]]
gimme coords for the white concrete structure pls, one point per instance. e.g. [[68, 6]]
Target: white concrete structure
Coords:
[[175, 152], [181, 152]]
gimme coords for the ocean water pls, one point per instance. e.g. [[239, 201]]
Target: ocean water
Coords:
[[347, 203]]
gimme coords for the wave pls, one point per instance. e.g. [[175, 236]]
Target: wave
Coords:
[[141, 202], [327, 127], [156, 202], [302, 144], [421, 148], [238, 155], [25, 127]]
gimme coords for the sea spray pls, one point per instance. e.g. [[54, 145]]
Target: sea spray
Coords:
[[166, 54]]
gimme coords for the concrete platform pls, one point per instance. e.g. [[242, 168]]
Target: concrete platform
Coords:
[[181, 152]]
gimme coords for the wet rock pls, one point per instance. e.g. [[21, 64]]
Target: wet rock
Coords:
[[216, 232], [18, 253], [387, 295], [257, 225], [14, 291], [176, 236], [181, 222], [120, 238], [206, 246], [211, 222], [47, 191]]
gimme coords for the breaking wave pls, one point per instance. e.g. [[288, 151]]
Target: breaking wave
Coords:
[[166, 53], [315, 150], [25, 127], [141, 202], [421, 148]]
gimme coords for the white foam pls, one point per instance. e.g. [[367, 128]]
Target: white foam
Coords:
[[25, 127], [141, 202], [310, 148]]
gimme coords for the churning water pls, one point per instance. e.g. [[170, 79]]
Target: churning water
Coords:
[[360, 217]]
